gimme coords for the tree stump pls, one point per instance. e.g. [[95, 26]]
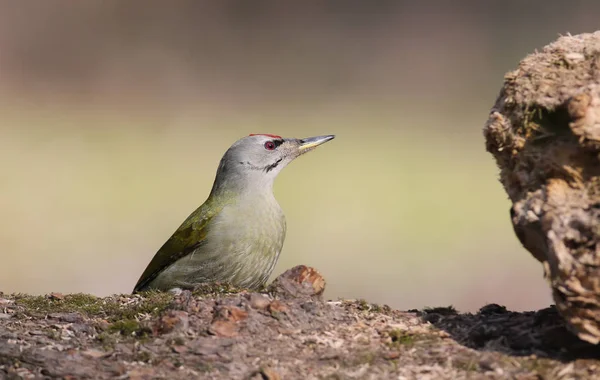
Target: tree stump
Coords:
[[544, 132]]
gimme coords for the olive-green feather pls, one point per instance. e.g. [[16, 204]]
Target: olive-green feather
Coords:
[[188, 236]]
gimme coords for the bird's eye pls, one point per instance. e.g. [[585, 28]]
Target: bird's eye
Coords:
[[269, 145]]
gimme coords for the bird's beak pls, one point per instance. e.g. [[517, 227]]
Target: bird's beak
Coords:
[[310, 143]]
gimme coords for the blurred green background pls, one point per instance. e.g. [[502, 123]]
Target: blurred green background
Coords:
[[115, 114]]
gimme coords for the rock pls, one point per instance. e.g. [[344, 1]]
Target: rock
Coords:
[[299, 282], [226, 322], [55, 296], [277, 307], [265, 374], [226, 329], [544, 132], [259, 301], [67, 317], [210, 346], [391, 355], [173, 320], [95, 354]]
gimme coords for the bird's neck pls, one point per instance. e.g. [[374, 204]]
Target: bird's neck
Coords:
[[240, 183], [243, 188], [249, 202]]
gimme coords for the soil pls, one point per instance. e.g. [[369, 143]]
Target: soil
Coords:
[[218, 332]]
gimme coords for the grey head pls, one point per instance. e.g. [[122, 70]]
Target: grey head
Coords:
[[253, 162]]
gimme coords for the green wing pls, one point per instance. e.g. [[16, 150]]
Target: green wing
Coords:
[[187, 237]]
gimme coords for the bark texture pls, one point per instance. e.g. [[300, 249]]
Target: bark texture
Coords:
[[544, 132]]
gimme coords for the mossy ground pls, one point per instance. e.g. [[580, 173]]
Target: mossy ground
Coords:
[[113, 308]]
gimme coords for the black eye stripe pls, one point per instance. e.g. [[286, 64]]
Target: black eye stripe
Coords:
[[277, 142]]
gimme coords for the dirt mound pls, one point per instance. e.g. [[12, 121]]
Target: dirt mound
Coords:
[[222, 333]]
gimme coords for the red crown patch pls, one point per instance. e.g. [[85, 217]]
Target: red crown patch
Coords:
[[265, 134]]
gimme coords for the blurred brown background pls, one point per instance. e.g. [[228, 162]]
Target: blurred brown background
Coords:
[[114, 115]]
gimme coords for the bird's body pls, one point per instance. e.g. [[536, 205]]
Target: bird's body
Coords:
[[241, 254], [236, 236]]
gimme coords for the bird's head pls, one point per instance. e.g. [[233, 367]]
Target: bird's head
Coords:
[[254, 161]]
